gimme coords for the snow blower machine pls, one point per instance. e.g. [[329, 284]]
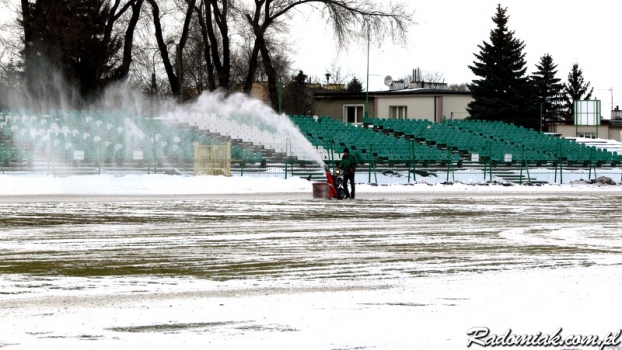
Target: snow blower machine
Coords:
[[336, 183]]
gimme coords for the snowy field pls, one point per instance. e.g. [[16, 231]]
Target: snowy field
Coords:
[[167, 185], [161, 262]]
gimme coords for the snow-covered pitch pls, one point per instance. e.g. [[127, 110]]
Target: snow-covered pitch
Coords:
[[163, 262]]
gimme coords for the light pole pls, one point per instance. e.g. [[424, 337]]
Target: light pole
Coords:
[[367, 89], [412, 153], [611, 91], [428, 126]]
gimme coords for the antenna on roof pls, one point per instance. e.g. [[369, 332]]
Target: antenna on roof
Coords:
[[388, 80]]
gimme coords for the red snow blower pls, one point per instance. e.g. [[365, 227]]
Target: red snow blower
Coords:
[[333, 188]]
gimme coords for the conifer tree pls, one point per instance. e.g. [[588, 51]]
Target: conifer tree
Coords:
[[354, 85], [575, 89], [503, 91], [297, 98], [550, 90]]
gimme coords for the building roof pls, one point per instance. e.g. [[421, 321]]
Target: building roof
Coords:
[[421, 91], [340, 94], [344, 94]]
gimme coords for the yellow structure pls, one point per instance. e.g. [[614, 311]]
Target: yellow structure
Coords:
[[212, 159]]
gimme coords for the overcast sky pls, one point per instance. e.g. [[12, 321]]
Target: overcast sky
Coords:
[[449, 31]]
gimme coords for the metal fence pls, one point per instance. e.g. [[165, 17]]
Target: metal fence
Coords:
[[375, 170]]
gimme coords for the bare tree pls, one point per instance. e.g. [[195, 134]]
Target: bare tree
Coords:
[[196, 72], [432, 77], [89, 42], [215, 18], [174, 73], [314, 79], [136, 7], [203, 11], [10, 47], [4, 49], [425, 76], [5, 74], [459, 87], [348, 19], [240, 58], [337, 76], [280, 60], [207, 44]]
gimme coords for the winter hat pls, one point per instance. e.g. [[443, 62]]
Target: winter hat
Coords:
[[346, 150]]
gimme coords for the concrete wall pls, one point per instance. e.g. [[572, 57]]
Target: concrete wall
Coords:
[[433, 106], [334, 108], [427, 107], [260, 92], [615, 134], [418, 107], [456, 104], [604, 131]]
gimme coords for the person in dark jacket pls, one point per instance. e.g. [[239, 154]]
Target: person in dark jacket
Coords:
[[348, 165]]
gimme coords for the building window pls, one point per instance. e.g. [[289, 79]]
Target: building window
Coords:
[[589, 135], [353, 113], [398, 112]]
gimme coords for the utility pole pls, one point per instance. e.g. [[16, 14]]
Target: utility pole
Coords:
[[367, 89]]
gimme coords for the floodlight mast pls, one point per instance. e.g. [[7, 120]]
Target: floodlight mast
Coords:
[[367, 89], [611, 90]]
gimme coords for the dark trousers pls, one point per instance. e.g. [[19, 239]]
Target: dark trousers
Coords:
[[348, 176]]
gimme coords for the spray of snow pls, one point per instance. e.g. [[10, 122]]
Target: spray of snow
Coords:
[[247, 119], [236, 115]]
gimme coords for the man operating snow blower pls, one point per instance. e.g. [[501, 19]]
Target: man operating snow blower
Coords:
[[348, 165]]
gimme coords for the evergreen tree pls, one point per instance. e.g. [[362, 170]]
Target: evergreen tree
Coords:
[[503, 91], [297, 99], [354, 85], [550, 90], [575, 89]]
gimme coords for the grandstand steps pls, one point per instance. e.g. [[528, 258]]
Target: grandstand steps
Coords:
[[515, 177], [309, 171], [605, 144], [241, 143], [219, 136], [267, 153], [279, 156], [66, 167], [311, 176]]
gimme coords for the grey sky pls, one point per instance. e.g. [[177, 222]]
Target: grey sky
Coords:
[[448, 32]]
